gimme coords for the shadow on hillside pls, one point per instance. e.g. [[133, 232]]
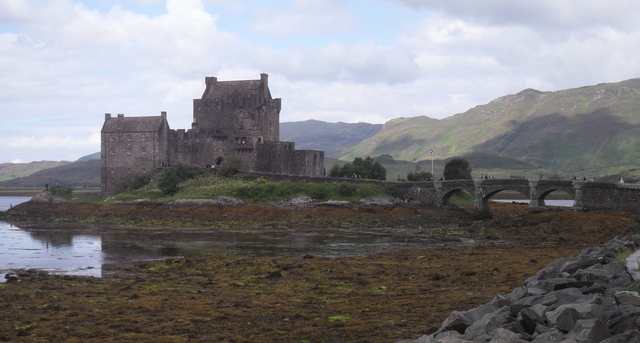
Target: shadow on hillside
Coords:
[[567, 144]]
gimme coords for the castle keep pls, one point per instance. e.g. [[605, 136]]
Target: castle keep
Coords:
[[232, 118]]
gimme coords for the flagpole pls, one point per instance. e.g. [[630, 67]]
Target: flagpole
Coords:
[[433, 176]]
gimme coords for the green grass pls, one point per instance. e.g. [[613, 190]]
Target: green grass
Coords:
[[256, 189]]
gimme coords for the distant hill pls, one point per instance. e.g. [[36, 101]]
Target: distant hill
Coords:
[[94, 156], [332, 138], [10, 171], [590, 131], [79, 174]]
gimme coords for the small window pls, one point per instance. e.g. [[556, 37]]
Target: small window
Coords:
[[128, 151], [144, 151], [129, 137], [111, 138], [144, 137]]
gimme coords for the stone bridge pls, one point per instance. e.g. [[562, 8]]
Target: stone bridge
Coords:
[[587, 196]]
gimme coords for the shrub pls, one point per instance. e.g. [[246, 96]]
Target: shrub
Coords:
[[347, 189], [170, 178], [230, 166], [62, 191], [139, 183], [419, 176]]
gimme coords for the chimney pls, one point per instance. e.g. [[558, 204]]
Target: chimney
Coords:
[[107, 116], [163, 114], [264, 78], [120, 115], [210, 81]]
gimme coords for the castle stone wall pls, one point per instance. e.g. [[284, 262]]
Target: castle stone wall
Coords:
[[232, 118]]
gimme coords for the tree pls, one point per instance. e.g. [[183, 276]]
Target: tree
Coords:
[[366, 168], [170, 178], [419, 176], [230, 166], [457, 169], [334, 171]]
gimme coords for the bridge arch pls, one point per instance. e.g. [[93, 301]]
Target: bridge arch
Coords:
[[540, 189], [485, 200], [485, 189], [445, 189]]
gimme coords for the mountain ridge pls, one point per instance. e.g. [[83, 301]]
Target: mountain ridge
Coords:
[[592, 130]]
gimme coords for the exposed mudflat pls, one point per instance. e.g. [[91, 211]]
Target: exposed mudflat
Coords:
[[383, 297]]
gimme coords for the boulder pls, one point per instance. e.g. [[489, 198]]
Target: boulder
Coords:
[[630, 336], [229, 201], [47, 198], [627, 298], [551, 336], [501, 335], [300, 201], [589, 330]]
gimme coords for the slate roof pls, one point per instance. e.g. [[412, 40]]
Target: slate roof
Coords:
[[223, 89], [133, 124]]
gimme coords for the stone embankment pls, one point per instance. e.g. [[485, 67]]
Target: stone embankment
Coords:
[[587, 298]]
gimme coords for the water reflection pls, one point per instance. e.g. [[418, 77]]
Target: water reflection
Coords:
[[91, 251]]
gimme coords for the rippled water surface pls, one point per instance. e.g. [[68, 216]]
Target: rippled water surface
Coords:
[[91, 250]]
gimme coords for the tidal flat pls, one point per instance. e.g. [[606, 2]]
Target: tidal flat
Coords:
[[382, 296]]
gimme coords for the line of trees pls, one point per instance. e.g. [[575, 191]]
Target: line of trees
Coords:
[[365, 168]]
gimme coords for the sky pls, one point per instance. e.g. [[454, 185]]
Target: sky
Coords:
[[65, 63]]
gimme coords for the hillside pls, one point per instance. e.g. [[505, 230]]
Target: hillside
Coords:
[[79, 174], [9, 171], [332, 138], [592, 131]]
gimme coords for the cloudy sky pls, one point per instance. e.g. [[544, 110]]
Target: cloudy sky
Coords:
[[64, 63]]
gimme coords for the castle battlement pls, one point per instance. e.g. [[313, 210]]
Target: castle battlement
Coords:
[[232, 118]]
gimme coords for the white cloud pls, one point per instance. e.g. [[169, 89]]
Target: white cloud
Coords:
[[303, 19], [67, 62]]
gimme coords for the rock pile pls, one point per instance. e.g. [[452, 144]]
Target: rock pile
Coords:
[[47, 198], [587, 298]]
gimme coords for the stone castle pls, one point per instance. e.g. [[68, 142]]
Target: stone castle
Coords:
[[232, 118]]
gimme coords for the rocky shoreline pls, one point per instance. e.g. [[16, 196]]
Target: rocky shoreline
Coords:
[[586, 298]]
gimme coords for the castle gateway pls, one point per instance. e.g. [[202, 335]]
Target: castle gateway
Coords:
[[232, 118]]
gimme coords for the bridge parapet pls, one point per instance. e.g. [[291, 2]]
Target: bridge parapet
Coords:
[[591, 196]]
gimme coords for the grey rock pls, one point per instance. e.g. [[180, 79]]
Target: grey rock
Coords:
[[224, 200], [517, 294], [460, 321], [626, 317], [523, 303], [530, 318], [630, 336], [379, 201], [627, 298], [485, 326], [47, 198], [551, 336], [572, 266], [501, 335], [300, 201], [500, 301], [337, 203], [567, 319], [589, 330], [587, 310]]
